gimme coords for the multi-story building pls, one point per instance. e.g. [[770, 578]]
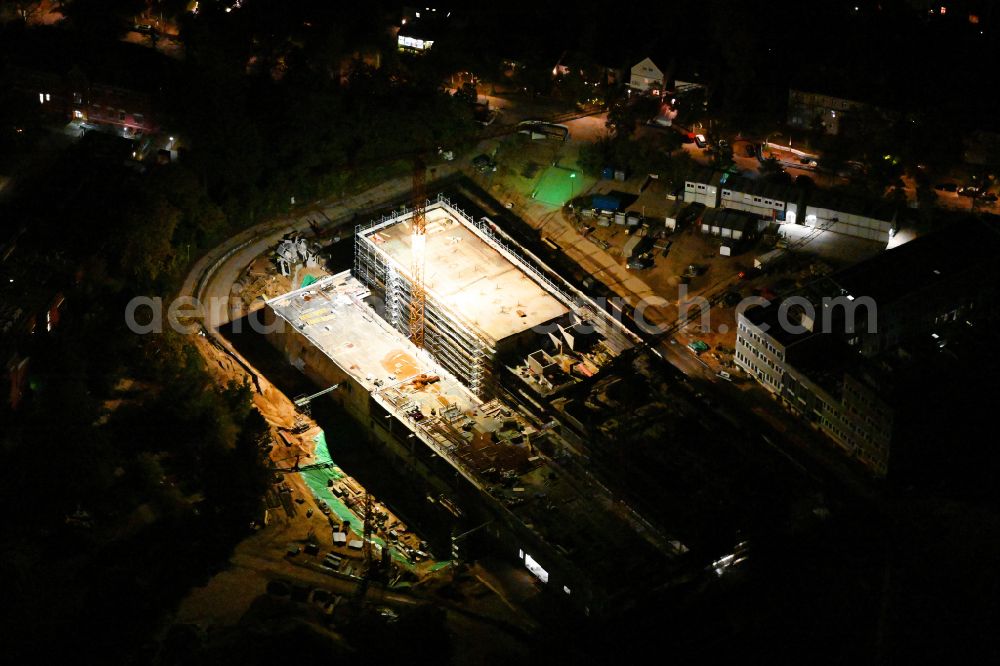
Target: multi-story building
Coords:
[[810, 110], [818, 348], [74, 96], [484, 298], [432, 422], [420, 28]]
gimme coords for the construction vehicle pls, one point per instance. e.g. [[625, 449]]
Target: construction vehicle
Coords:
[[302, 401], [422, 380], [300, 468], [367, 550]]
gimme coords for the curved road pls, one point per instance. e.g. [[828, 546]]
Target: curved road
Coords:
[[211, 278]]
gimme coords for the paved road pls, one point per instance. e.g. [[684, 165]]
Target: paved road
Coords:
[[211, 278]]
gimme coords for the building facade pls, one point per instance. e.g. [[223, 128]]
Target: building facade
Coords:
[[779, 202], [646, 77], [819, 350], [870, 220], [486, 297], [786, 204], [703, 186], [74, 97], [809, 110]]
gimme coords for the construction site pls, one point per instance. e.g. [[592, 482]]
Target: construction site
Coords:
[[478, 294], [502, 465], [418, 343]]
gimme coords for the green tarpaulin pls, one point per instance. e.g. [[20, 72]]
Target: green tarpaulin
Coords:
[[318, 479]]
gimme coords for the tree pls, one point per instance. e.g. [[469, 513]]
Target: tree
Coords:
[[101, 21], [624, 115], [770, 167], [26, 9], [678, 168], [147, 238], [467, 94], [927, 198], [594, 156], [805, 182], [722, 156]]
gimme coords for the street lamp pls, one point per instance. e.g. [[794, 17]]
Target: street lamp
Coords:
[[572, 185]]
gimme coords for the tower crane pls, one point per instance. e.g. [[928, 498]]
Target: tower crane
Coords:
[[366, 549], [418, 232]]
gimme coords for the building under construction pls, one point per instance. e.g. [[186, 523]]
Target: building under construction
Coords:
[[430, 409], [486, 297]]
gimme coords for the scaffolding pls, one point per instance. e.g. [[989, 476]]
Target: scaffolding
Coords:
[[457, 343]]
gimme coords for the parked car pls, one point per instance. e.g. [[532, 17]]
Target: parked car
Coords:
[[700, 140], [946, 187], [698, 347]]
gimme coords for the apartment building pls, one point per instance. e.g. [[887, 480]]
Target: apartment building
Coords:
[[811, 110], [821, 350]]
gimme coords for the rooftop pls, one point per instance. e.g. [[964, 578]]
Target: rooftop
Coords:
[[763, 188], [704, 175], [727, 218], [467, 275], [894, 274], [875, 209], [921, 263]]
